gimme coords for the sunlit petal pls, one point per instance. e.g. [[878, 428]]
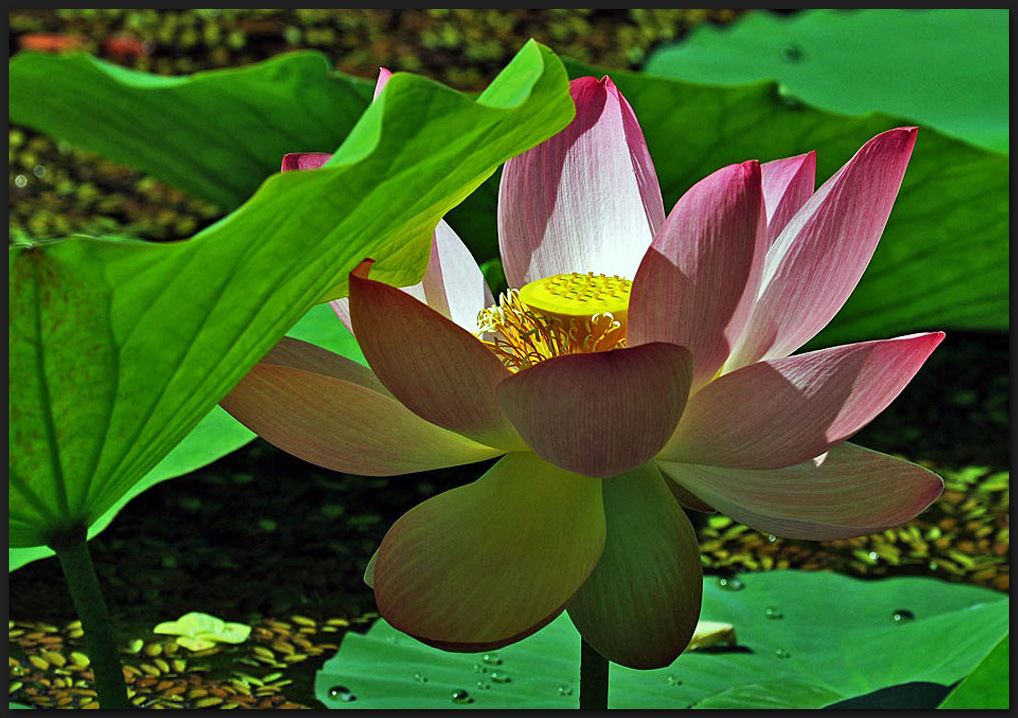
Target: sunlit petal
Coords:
[[787, 184], [697, 283], [816, 262], [585, 200], [454, 285]]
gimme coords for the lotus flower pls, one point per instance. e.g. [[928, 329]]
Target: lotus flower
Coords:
[[638, 364]]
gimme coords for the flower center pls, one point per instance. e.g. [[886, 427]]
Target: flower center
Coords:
[[564, 314]]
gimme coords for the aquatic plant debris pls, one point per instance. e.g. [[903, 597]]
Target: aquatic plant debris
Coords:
[[712, 633], [198, 631]]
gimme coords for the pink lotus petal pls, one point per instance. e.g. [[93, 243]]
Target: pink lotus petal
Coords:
[[787, 184], [697, 283], [602, 413], [304, 161], [784, 411], [341, 307], [380, 83], [314, 160], [453, 284], [487, 564], [815, 263], [850, 491], [640, 606], [586, 200], [332, 412], [440, 371]]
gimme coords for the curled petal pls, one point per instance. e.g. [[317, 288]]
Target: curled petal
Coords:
[[586, 200], [697, 283], [438, 370], [332, 412], [781, 412], [640, 606], [849, 491], [602, 413], [489, 563], [816, 261]]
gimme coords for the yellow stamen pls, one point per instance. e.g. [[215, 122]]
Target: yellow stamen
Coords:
[[563, 314]]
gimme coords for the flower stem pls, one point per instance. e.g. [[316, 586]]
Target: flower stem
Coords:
[[95, 622], [593, 679]]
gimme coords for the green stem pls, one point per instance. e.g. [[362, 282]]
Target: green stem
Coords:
[[593, 679], [95, 622]]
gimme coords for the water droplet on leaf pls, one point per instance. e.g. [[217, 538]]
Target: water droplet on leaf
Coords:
[[873, 555], [478, 668], [782, 653], [500, 677], [461, 696], [773, 613], [492, 659], [341, 693], [771, 538], [483, 686], [672, 680], [902, 615], [733, 583], [420, 678], [565, 691]]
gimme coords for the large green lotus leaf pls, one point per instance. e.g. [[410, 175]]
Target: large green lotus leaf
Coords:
[[216, 435], [943, 260], [118, 348], [989, 685], [831, 638], [216, 134], [945, 69]]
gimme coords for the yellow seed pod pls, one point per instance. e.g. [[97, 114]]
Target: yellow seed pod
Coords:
[[577, 295]]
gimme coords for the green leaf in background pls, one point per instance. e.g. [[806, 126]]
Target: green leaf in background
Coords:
[[943, 260], [945, 69], [217, 134], [942, 263], [988, 686], [119, 348], [805, 640]]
